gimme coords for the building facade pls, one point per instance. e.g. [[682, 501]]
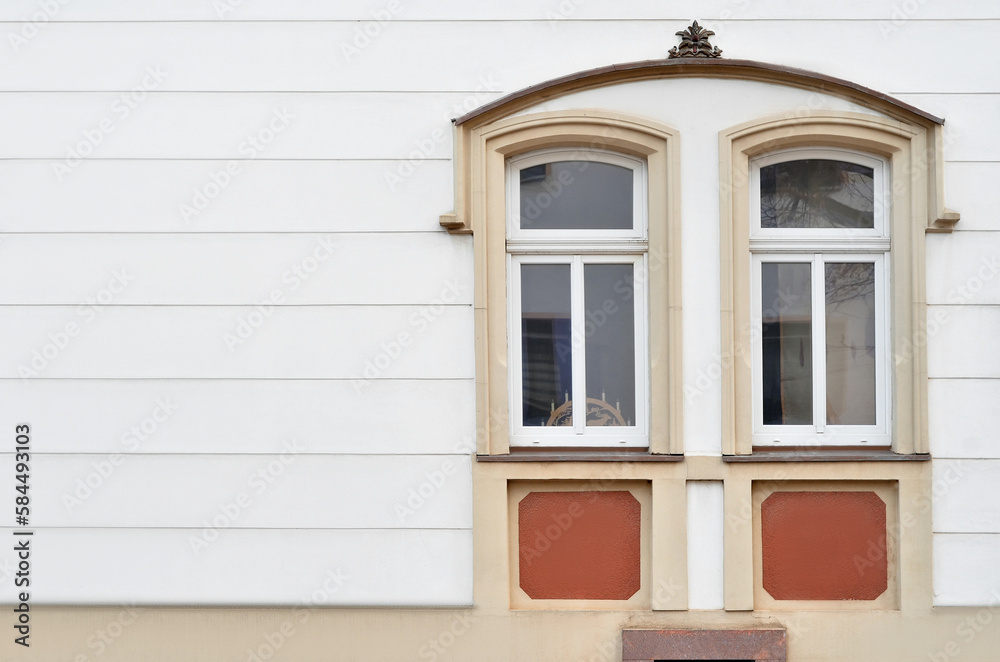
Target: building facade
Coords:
[[300, 299]]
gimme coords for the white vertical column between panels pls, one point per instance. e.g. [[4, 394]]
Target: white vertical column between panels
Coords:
[[705, 554]]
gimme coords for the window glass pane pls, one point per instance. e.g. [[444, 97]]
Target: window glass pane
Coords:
[[786, 305], [609, 328], [546, 348], [817, 193], [576, 195], [850, 343]]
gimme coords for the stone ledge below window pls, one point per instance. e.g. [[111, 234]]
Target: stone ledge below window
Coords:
[[577, 455], [811, 454]]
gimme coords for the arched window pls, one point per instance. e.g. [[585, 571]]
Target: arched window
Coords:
[[823, 217], [820, 245], [576, 223], [577, 265]]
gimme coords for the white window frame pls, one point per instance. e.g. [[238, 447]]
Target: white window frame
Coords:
[[818, 247], [578, 248]]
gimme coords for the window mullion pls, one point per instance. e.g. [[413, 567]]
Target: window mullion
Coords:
[[578, 336], [819, 342]]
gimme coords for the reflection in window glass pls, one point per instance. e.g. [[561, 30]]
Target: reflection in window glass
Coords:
[[850, 343], [546, 347], [817, 193], [786, 305], [609, 329], [576, 195]]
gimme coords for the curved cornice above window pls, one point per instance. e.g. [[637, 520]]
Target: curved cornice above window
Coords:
[[696, 68]]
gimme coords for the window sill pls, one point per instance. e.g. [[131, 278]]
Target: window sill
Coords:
[[813, 454], [578, 455]]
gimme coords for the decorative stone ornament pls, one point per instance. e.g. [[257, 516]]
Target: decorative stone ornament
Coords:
[[694, 43]]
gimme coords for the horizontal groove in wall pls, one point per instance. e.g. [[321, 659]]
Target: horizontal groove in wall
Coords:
[[657, 19], [225, 232], [392, 159], [496, 93], [241, 379], [300, 91], [227, 528], [252, 304], [236, 453]]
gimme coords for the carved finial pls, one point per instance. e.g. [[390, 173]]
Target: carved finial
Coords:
[[694, 43]]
